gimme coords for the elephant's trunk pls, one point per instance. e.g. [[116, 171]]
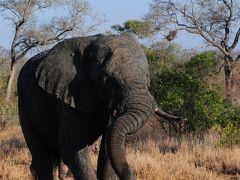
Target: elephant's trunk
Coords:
[[130, 121]]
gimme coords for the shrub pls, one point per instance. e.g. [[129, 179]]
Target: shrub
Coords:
[[8, 111], [230, 135], [184, 93], [203, 64]]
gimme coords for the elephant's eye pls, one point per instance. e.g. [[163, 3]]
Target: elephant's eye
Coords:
[[103, 79]]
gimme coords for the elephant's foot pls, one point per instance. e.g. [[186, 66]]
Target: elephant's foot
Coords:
[[63, 171]]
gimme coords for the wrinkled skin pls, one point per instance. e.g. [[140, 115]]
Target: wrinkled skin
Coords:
[[83, 88]]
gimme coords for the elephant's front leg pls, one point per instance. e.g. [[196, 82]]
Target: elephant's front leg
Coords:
[[76, 156], [104, 168], [80, 165], [74, 132]]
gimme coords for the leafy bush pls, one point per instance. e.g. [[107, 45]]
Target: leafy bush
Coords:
[[230, 135], [203, 64], [161, 56], [140, 28], [8, 111], [184, 93], [4, 72]]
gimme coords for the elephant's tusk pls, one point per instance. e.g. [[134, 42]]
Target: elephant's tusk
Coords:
[[166, 116], [171, 120]]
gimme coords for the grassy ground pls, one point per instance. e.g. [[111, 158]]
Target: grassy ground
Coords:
[[150, 159]]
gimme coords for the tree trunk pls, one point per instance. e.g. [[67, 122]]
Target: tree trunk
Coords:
[[232, 81], [10, 84]]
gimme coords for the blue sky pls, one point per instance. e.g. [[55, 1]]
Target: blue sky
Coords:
[[116, 12]]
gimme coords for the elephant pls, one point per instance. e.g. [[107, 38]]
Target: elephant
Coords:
[[79, 90]]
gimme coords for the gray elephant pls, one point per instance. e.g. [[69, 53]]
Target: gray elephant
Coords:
[[83, 88]]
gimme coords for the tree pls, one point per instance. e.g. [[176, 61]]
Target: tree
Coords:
[[140, 28], [31, 33], [162, 55], [184, 91], [166, 51], [217, 22]]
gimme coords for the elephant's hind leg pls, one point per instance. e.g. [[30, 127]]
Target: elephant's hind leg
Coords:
[[43, 164], [43, 168]]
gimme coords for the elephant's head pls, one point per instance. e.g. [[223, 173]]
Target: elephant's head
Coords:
[[121, 68], [102, 74]]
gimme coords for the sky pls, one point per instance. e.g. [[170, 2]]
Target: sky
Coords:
[[116, 12]]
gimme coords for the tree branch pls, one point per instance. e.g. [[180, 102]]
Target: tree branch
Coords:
[[14, 41], [227, 25], [215, 44], [7, 7], [25, 49], [210, 41], [24, 52], [236, 39]]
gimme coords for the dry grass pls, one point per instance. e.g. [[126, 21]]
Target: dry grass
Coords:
[[151, 160], [190, 161], [14, 155]]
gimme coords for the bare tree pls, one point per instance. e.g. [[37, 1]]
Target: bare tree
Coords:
[[216, 21], [31, 32]]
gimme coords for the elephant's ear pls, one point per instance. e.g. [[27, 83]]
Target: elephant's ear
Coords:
[[61, 73], [55, 75]]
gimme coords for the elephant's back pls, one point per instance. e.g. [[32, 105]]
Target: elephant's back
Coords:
[[27, 73]]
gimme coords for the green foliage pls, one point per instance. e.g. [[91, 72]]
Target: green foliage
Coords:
[[161, 56], [155, 62], [8, 111], [203, 64], [182, 92], [230, 135], [230, 114], [4, 73], [142, 29], [166, 51], [151, 54]]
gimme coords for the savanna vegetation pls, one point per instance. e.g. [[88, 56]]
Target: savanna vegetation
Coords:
[[197, 86], [209, 144]]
